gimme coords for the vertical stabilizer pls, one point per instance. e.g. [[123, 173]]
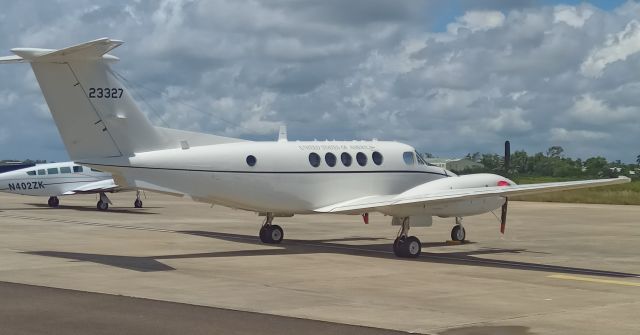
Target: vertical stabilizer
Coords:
[[93, 110]]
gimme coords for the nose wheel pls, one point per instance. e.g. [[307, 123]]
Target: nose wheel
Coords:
[[270, 233], [458, 233], [54, 202], [406, 246]]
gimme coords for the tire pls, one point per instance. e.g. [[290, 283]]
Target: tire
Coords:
[[103, 206], [398, 244], [276, 234], [53, 202], [264, 235], [137, 203], [458, 233], [412, 247]]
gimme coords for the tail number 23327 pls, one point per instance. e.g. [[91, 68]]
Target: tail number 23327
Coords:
[[107, 93]]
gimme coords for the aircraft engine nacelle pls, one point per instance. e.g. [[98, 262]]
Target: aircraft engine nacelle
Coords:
[[456, 208]]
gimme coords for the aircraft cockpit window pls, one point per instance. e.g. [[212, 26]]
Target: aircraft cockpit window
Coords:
[[377, 157], [65, 169], [330, 159], [314, 159], [77, 169], [251, 160], [31, 173], [408, 158], [52, 171], [361, 158], [346, 159], [41, 172]]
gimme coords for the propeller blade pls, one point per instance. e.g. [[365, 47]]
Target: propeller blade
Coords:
[[507, 155], [503, 217]]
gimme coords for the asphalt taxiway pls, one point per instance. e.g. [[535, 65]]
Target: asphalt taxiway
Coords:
[[560, 269]]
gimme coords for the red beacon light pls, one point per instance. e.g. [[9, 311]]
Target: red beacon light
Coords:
[[503, 183]]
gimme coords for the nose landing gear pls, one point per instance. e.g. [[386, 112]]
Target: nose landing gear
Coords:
[[458, 233], [138, 202]]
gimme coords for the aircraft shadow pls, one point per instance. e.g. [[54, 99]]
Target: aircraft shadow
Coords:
[[295, 247], [89, 209]]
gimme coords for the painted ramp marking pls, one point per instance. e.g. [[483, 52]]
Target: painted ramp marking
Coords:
[[595, 280]]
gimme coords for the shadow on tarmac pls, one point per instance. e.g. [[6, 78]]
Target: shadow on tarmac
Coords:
[[87, 209], [294, 247]]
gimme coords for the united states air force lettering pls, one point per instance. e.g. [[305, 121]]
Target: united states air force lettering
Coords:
[[26, 186]]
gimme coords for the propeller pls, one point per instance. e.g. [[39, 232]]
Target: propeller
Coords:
[[507, 162], [503, 216]]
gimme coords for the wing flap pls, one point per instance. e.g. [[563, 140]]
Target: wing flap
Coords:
[[377, 202], [96, 187]]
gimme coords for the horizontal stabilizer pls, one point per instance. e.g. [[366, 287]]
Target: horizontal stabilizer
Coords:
[[95, 49], [11, 59]]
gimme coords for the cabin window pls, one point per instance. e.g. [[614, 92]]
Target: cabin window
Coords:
[[314, 159], [330, 159], [361, 158], [65, 169], [377, 157], [41, 172], [52, 171], [346, 159], [408, 158], [251, 160], [77, 169], [31, 173]]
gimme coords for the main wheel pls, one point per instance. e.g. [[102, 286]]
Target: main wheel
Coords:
[[53, 202], [398, 244], [137, 203], [276, 234], [458, 233], [407, 247], [413, 247], [101, 205], [271, 234]]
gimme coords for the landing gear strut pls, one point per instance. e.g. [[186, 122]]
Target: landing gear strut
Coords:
[[458, 233], [138, 202], [103, 203], [406, 246], [270, 233], [54, 202]]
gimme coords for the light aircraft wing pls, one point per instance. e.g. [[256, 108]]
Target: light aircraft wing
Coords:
[[96, 187], [377, 203]]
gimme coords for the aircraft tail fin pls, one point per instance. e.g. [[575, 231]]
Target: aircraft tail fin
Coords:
[[91, 107]]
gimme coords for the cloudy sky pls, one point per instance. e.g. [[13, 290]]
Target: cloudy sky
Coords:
[[448, 77]]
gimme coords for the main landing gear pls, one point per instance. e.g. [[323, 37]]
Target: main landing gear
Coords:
[[138, 202], [54, 202], [406, 246], [458, 233], [103, 203], [270, 233]]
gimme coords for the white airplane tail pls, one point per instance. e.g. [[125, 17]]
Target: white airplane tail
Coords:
[[92, 109]]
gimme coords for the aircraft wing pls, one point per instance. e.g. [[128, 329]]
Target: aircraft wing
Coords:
[[380, 202], [106, 185]]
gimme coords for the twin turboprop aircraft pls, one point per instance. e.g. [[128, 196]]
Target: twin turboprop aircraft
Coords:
[[58, 179], [102, 127]]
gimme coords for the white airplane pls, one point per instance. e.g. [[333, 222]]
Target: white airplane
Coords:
[[102, 127], [58, 179]]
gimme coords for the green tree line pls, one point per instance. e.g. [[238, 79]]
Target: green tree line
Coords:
[[553, 163]]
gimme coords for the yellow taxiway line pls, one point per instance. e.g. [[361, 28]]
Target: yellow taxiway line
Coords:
[[595, 280]]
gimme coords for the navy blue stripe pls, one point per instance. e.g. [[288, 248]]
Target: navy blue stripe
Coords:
[[264, 172]]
